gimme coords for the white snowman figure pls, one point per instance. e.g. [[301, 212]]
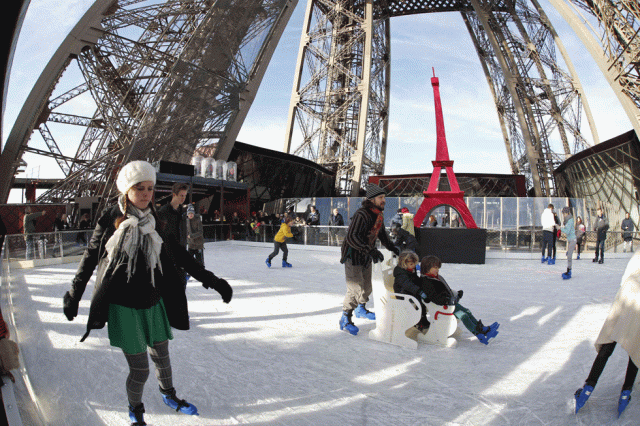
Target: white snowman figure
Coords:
[[443, 325]]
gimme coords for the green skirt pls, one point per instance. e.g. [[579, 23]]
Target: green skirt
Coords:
[[133, 330]]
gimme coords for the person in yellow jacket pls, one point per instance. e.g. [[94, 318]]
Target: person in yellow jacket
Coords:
[[280, 243]]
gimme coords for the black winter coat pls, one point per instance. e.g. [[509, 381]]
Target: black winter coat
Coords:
[[405, 241], [406, 282], [438, 291], [168, 283]]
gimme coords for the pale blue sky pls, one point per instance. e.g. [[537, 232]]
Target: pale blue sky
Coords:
[[418, 43]]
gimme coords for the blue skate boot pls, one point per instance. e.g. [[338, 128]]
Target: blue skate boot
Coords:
[[169, 397], [544, 259], [566, 275], [485, 334], [347, 324], [625, 398], [582, 395], [136, 415], [362, 312], [268, 262], [551, 261], [285, 264]]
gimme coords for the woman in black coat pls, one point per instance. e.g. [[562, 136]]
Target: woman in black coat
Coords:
[[138, 292]]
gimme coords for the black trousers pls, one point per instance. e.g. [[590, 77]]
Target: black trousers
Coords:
[[601, 360], [547, 242]]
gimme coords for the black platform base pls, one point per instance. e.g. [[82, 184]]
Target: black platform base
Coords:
[[453, 245]]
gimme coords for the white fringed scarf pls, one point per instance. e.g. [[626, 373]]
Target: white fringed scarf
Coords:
[[137, 232]]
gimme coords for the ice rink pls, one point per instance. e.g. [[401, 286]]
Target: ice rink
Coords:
[[275, 354]]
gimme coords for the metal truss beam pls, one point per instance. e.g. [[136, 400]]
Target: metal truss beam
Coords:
[[165, 77], [340, 100], [614, 44], [539, 104]]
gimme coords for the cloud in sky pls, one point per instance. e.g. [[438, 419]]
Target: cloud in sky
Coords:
[[419, 42]]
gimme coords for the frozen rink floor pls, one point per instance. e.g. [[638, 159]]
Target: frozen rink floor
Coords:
[[275, 354]]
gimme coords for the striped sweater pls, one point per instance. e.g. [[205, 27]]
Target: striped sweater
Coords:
[[359, 242]]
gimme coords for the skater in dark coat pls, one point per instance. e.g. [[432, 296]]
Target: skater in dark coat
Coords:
[[438, 291], [601, 228], [403, 240], [627, 233], [137, 292]]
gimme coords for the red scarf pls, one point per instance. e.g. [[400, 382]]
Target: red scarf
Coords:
[[373, 234]]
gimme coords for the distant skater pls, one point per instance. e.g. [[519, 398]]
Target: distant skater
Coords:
[[280, 243]]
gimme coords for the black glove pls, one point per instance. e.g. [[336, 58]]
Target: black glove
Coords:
[[220, 285], [70, 306], [396, 251], [376, 256], [460, 292]]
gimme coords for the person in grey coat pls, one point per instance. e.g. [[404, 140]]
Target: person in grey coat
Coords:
[[627, 233], [601, 228]]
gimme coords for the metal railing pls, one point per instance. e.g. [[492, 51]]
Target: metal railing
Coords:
[[72, 243]]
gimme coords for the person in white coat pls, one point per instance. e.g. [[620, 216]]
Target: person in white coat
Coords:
[[548, 228], [622, 326]]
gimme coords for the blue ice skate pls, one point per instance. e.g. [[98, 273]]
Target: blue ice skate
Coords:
[[544, 259], [551, 261], [566, 275], [494, 326], [486, 337], [362, 312], [268, 262], [136, 415], [582, 395], [170, 398], [625, 398], [285, 264], [346, 324]]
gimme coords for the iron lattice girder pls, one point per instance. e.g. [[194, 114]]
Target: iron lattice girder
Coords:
[[346, 57], [620, 20], [166, 77], [534, 96]]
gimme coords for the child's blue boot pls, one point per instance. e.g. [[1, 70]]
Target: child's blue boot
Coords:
[[169, 397], [347, 324], [566, 275], [362, 312], [625, 397], [285, 264], [552, 261], [582, 395], [544, 259], [136, 415], [268, 262]]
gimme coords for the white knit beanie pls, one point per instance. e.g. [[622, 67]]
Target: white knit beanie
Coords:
[[133, 173]]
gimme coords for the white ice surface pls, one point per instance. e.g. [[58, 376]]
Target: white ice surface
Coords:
[[275, 355]]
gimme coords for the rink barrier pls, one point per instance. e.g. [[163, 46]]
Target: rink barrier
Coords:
[[19, 398]]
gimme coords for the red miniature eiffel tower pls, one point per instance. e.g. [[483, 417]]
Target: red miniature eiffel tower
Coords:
[[432, 197]]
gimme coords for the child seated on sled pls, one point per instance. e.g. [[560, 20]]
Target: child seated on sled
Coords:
[[406, 281], [438, 291]]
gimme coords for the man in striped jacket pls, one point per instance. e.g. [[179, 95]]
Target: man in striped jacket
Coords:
[[358, 251]]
